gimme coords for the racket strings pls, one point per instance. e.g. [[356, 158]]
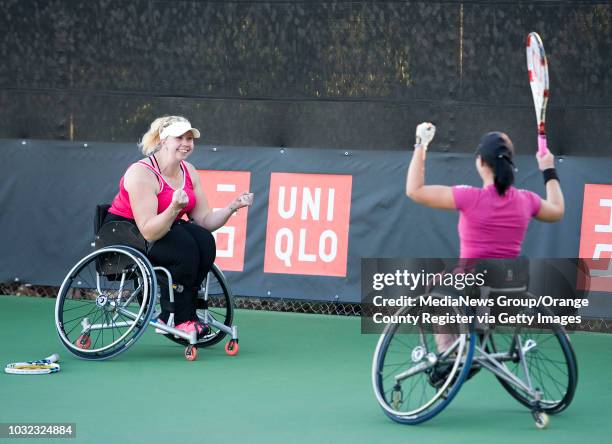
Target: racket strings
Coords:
[[26, 368]]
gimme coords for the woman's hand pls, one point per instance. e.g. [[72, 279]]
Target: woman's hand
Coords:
[[425, 133], [244, 200], [546, 161], [179, 200]]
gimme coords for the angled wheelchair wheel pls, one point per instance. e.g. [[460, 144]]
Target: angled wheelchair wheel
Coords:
[[412, 380], [215, 301], [105, 302], [548, 363]]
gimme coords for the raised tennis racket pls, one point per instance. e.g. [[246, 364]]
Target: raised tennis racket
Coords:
[[41, 367], [537, 68]]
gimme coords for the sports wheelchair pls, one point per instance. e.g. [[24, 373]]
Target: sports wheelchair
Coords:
[[110, 296], [414, 378]]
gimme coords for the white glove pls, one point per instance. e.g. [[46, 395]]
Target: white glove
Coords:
[[425, 133], [180, 199]]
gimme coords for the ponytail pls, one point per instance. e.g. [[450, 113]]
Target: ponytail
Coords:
[[503, 171], [496, 150]]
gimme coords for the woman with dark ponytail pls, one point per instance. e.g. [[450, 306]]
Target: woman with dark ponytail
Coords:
[[492, 219], [496, 151]]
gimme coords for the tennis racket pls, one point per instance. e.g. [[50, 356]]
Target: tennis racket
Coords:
[[537, 68], [41, 367]]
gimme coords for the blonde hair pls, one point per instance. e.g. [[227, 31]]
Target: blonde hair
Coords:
[[151, 143]]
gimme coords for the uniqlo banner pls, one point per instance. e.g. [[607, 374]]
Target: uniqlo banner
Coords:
[[221, 187], [308, 224], [596, 237], [298, 237]]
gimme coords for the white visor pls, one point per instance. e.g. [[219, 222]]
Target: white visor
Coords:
[[178, 129]]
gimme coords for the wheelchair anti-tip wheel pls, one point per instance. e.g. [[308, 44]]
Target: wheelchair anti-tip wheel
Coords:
[[412, 380], [541, 420], [215, 301], [105, 302]]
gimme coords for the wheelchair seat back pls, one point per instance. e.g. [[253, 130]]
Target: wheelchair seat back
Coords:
[[505, 274], [101, 212], [124, 233]]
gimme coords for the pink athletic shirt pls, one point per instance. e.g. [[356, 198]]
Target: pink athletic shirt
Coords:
[[490, 225], [121, 203]]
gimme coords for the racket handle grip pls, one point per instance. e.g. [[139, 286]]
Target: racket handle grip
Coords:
[[53, 358], [542, 145]]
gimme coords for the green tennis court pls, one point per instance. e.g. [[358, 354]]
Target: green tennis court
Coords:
[[298, 378]]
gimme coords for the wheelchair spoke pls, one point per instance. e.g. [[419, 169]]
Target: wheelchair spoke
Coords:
[[392, 372], [97, 332], [538, 355], [545, 375], [78, 324], [88, 304], [216, 312], [81, 303], [548, 364]]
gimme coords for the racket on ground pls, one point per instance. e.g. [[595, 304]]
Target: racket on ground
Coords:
[[41, 367], [537, 68]]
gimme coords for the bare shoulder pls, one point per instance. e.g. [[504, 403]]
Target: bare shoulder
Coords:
[[138, 174]]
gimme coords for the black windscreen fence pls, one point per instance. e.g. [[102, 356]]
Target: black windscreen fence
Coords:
[[325, 74]]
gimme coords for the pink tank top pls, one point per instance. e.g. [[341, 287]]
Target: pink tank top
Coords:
[[490, 225], [121, 203]]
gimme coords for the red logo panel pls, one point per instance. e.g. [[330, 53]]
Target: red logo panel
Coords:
[[596, 238], [221, 187], [308, 224]]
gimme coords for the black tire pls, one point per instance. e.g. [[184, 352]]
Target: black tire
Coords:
[[113, 289], [425, 393], [220, 306], [557, 381]]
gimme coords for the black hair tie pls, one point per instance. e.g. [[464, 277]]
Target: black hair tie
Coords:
[[507, 157]]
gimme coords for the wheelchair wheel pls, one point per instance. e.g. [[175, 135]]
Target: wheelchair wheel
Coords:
[[412, 381], [105, 302], [215, 296], [549, 363]]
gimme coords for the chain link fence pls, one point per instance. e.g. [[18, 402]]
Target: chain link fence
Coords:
[[240, 302], [280, 305]]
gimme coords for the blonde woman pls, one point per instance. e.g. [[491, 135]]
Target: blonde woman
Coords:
[[154, 194]]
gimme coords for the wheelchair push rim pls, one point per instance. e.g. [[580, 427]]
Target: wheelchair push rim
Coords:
[[420, 360], [105, 302]]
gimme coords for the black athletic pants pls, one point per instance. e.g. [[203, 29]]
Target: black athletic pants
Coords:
[[187, 251]]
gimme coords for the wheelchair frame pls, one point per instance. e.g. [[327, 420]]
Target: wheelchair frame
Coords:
[[205, 318], [468, 354], [113, 310]]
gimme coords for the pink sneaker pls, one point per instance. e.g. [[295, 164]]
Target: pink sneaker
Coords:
[[190, 326]]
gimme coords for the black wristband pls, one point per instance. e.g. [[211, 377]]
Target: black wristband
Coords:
[[550, 174]]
